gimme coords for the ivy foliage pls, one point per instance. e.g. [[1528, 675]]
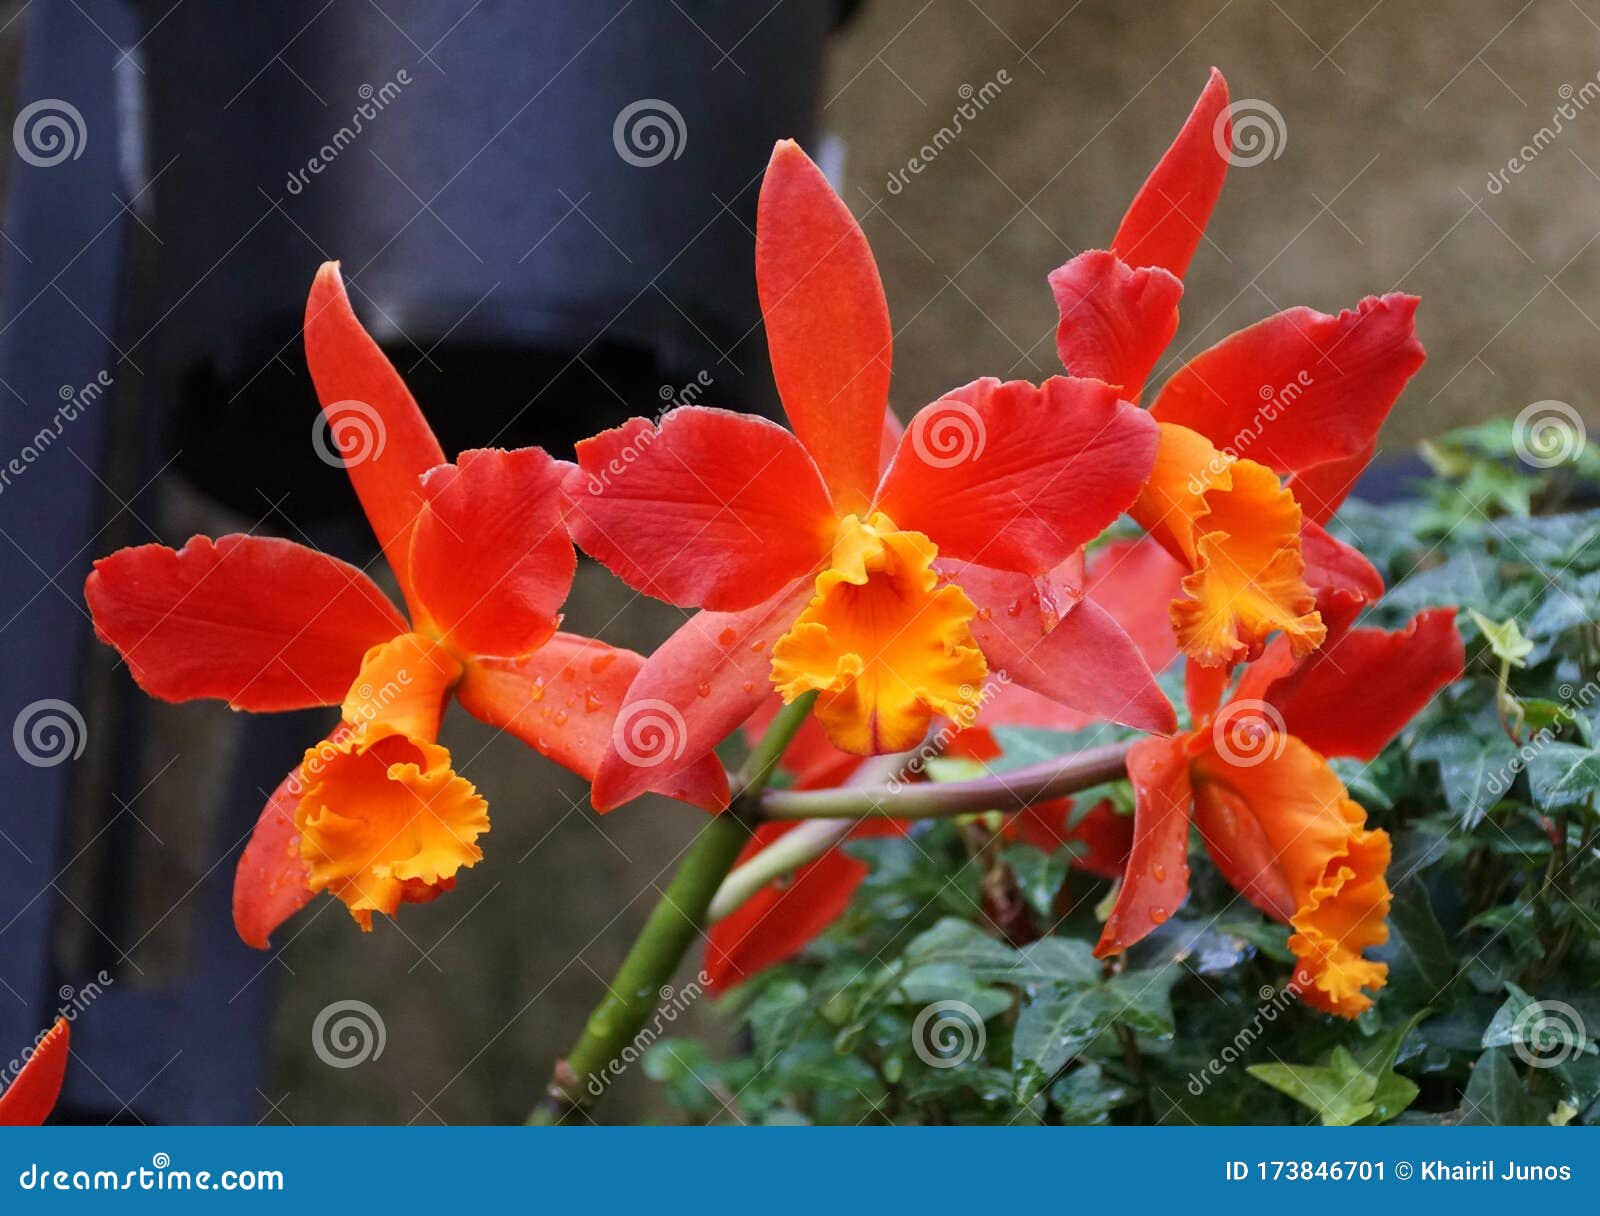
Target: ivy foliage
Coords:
[[915, 1008]]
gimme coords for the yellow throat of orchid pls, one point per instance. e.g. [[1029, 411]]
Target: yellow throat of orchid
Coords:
[[886, 646], [383, 818]]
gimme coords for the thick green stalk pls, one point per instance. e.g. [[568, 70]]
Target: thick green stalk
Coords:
[[674, 924]]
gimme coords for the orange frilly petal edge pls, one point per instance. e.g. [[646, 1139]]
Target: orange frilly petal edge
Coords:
[[1344, 915]]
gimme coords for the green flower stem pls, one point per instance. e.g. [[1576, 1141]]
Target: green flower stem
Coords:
[[807, 842], [1003, 792], [671, 929]]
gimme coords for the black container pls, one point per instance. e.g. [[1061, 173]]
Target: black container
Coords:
[[544, 211]]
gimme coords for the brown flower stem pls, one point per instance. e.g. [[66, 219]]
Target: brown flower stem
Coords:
[[1003, 792]]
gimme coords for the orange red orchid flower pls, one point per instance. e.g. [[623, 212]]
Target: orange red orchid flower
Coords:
[[1252, 776], [1298, 396], [890, 592], [375, 814], [32, 1094]]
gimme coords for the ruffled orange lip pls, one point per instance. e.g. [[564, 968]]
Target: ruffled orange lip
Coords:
[[383, 818], [883, 643], [1238, 529]]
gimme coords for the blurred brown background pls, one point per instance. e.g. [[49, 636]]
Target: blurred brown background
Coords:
[[1394, 117]]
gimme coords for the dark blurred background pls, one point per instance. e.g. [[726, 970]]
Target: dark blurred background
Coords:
[[545, 215]]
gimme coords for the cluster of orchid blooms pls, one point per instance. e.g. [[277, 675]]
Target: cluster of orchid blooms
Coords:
[[946, 577]]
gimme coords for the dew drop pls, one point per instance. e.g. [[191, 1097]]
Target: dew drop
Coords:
[[591, 701], [537, 692], [561, 717], [1158, 915], [704, 690], [749, 685], [1014, 608], [727, 636], [601, 661], [1158, 872]]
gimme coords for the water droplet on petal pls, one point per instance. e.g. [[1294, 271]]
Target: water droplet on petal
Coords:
[[704, 690], [1014, 608], [536, 693], [749, 685], [602, 661], [1158, 872], [561, 717], [1158, 915], [727, 636], [591, 701]]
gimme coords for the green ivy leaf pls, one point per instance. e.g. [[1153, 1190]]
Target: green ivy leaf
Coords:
[[1349, 1087], [1495, 1095], [1564, 774], [1504, 638]]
